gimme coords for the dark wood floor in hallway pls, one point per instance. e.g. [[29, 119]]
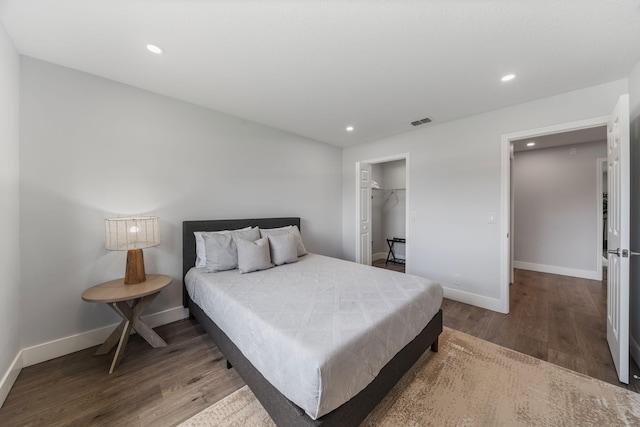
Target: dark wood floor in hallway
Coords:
[[554, 318]]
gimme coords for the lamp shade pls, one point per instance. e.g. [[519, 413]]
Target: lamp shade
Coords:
[[123, 234]]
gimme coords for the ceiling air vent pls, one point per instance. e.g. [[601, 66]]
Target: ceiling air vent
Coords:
[[421, 122]]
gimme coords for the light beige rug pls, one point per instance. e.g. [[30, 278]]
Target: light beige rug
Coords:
[[471, 382]]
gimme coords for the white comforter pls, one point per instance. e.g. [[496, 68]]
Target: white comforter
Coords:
[[319, 330]]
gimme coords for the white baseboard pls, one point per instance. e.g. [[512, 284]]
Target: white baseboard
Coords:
[[492, 304], [60, 347], [553, 269], [10, 377], [634, 348], [379, 255]]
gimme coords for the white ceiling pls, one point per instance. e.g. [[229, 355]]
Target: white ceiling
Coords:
[[313, 67], [595, 134]]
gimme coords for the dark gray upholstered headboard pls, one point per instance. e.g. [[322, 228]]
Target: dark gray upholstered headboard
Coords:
[[189, 240]]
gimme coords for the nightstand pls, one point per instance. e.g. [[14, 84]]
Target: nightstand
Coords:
[[117, 295]]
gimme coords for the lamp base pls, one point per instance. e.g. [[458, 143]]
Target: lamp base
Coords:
[[135, 267]]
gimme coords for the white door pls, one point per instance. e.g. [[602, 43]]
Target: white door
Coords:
[[618, 237], [363, 246]]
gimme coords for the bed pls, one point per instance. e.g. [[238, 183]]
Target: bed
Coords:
[[283, 411]]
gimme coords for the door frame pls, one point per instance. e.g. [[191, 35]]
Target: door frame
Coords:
[[601, 166], [506, 268], [391, 158]]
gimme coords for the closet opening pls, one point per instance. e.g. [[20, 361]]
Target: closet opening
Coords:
[[388, 215], [382, 200]]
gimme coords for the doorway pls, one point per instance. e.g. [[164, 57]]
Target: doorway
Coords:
[[506, 261], [557, 203], [382, 201], [618, 161]]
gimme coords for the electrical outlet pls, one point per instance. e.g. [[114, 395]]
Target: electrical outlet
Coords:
[[457, 279]]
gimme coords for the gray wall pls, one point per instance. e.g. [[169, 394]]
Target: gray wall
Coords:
[[634, 304], [556, 200], [378, 245], [455, 180], [9, 210], [92, 148]]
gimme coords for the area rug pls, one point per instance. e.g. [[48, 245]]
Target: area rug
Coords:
[[470, 382]]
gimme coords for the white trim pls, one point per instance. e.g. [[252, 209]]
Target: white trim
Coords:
[[562, 271], [512, 192], [379, 255], [385, 159], [505, 224], [10, 377], [60, 347], [599, 221], [492, 304], [401, 156], [358, 255], [505, 188], [564, 127]]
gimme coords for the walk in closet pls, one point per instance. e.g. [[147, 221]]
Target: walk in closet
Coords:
[[388, 211]]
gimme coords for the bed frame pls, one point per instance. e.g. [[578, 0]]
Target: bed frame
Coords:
[[284, 412]]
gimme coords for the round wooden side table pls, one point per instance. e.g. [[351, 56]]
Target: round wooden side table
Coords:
[[117, 295]]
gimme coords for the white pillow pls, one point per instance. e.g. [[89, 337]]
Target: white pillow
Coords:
[[283, 248], [221, 250], [293, 229], [253, 256], [201, 253]]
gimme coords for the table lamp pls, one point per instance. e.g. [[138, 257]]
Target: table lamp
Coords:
[[132, 234]]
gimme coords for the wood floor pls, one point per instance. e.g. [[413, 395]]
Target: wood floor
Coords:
[[559, 319], [554, 318], [389, 266], [150, 387]]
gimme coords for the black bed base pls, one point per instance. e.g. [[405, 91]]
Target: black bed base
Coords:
[[286, 413]]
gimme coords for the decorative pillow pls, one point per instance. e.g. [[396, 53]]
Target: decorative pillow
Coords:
[[221, 252], [293, 229], [253, 256], [201, 253], [284, 249], [251, 234]]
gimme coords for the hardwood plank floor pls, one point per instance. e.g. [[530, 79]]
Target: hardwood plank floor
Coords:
[[389, 266], [554, 318], [150, 387]]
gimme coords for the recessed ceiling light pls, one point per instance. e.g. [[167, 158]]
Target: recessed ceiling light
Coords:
[[530, 144], [154, 49], [508, 77], [349, 128]]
